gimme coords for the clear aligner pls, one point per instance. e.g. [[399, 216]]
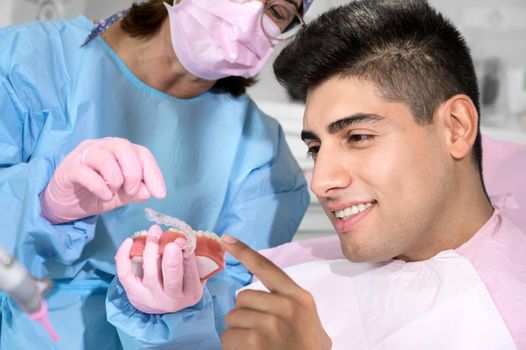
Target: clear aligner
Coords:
[[177, 224]]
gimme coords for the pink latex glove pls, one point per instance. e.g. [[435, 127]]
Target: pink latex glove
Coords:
[[101, 175], [170, 282]]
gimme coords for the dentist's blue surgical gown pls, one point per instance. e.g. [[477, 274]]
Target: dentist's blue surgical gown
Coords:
[[226, 165]]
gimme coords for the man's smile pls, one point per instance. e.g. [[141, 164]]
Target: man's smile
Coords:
[[348, 212], [346, 217]]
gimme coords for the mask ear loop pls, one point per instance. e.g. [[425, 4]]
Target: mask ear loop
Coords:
[[178, 225]]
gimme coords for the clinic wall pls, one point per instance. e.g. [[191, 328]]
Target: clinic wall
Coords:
[[495, 31], [22, 11], [98, 9]]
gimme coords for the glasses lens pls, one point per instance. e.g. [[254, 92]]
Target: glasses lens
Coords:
[[285, 16]]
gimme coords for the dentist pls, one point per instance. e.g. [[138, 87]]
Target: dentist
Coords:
[[144, 109]]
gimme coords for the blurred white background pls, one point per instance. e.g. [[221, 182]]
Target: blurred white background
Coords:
[[494, 29]]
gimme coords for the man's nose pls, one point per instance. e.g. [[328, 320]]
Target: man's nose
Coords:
[[329, 174]]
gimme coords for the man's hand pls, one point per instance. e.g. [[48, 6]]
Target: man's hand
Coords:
[[284, 318]]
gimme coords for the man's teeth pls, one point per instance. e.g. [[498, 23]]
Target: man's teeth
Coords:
[[351, 211]]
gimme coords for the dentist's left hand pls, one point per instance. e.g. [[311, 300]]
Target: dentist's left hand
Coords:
[[169, 283], [100, 175]]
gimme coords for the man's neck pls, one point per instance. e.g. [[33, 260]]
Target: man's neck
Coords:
[[466, 213], [153, 61]]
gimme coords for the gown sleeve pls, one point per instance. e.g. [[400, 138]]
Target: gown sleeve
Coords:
[[26, 165], [264, 211]]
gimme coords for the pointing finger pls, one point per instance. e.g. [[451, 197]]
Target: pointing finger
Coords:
[[268, 273]]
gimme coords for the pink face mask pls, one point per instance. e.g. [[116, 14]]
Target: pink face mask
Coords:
[[220, 38]]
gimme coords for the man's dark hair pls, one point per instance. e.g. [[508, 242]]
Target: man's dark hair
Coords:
[[144, 20], [410, 51]]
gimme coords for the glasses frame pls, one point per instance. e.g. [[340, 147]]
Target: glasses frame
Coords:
[[268, 4]]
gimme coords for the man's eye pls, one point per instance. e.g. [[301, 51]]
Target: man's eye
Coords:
[[313, 151], [358, 138]]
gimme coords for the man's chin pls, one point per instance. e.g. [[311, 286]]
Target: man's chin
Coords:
[[353, 254], [357, 255]]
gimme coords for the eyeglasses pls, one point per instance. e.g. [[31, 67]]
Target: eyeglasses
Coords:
[[283, 14]]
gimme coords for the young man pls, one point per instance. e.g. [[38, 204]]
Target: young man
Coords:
[[392, 123]]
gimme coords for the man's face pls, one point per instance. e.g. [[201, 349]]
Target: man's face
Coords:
[[382, 179]]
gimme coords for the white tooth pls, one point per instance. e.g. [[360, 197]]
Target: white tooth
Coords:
[[350, 211], [139, 233]]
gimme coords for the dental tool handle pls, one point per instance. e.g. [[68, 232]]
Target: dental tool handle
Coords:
[[19, 284], [26, 290]]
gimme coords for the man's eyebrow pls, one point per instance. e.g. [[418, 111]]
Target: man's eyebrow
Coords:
[[353, 119], [308, 135], [340, 124]]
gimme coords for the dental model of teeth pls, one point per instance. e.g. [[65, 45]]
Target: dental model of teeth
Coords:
[[209, 254]]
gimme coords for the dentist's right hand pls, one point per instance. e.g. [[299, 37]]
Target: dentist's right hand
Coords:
[[100, 175]]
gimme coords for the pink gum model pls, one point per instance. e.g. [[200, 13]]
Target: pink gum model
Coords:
[[208, 251]]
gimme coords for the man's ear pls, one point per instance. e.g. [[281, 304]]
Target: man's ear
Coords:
[[459, 119]]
